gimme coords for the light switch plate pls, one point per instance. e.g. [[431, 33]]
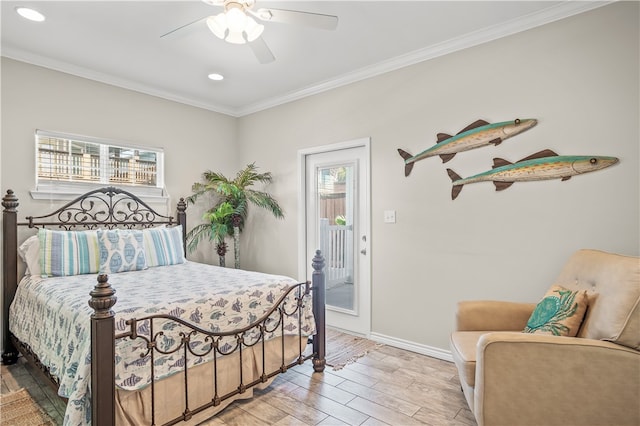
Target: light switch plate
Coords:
[[389, 216]]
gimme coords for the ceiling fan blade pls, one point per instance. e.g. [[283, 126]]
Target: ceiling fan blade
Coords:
[[174, 31], [297, 17], [262, 51]]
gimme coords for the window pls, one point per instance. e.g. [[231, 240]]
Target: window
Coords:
[[70, 164]]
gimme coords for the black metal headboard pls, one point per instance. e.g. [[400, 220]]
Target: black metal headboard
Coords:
[[108, 207]]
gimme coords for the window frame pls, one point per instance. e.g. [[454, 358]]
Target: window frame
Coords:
[[69, 189]]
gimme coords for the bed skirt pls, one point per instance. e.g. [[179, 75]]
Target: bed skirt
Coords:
[[133, 408]]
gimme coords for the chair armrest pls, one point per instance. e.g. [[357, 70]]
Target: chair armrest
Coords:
[[492, 315], [552, 380]]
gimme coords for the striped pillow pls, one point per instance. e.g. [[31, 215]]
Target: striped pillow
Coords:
[[163, 246], [64, 253]]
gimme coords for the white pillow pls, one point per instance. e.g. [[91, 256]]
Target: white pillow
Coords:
[[29, 252]]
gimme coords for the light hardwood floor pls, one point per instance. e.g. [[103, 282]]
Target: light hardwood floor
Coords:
[[389, 386]]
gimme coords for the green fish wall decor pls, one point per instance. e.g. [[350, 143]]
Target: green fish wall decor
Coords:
[[542, 165], [476, 135]]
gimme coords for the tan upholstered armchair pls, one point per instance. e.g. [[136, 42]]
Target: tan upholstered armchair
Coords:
[[513, 378]]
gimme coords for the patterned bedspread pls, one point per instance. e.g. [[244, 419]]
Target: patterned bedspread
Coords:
[[52, 316]]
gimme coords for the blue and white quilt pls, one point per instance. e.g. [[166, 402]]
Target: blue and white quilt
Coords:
[[52, 316]]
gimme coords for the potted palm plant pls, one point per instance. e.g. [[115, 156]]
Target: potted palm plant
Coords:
[[215, 228], [236, 195]]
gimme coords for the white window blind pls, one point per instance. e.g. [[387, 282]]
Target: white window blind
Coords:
[[72, 164]]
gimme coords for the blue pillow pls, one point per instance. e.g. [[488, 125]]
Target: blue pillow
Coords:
[[163, 246], [64, 253], [121, 251]]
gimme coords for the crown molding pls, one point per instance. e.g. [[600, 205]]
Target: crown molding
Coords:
[[67, 68], [533, 20], [560, 11]]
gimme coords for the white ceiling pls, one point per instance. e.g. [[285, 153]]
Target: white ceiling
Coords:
[[118, 42]]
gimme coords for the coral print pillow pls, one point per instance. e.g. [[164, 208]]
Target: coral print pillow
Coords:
[[559, 313], [121, 251]]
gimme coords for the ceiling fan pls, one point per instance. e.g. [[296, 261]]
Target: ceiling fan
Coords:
[[236, 24]]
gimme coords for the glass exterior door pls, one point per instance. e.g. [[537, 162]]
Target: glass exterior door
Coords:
[[336, 219], [335, 215]]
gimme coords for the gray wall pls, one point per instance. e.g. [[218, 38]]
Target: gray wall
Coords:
[[38, 98], [193, 139], [578, 77]]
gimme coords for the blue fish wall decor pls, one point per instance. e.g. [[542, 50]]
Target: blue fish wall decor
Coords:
[[476, 135], [542, 165]]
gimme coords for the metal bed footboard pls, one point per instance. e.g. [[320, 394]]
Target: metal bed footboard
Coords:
[[103, 353], [195, 343]]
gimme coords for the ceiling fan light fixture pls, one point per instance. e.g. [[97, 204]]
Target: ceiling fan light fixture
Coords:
[[234, 26], [236, 19], [218, 25], [235, 38]]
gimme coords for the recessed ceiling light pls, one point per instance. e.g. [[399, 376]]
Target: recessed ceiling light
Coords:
[[30, 14], [216, 76]]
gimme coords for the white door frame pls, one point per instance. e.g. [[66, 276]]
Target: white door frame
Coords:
[[366, 227]]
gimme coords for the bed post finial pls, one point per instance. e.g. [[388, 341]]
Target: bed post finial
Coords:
[[102, 298], [182, 220], [182, 205], [10, 201], [319, 340], [103, 351], [9, 270]]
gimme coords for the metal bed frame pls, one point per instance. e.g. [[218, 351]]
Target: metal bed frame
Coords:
[[112, 207]]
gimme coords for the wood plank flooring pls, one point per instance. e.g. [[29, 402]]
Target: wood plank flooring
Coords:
[[23, 375], [389, 386]]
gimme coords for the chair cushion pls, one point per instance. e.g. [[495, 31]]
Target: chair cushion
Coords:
[[463, 349], [612, 282], [559, 313]]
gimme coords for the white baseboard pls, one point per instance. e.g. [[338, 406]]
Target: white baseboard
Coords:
[[412, 346]]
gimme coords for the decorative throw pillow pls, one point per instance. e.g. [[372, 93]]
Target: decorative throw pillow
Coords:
[[163, 246], [560, 312], [121, 251], [65, 253]]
